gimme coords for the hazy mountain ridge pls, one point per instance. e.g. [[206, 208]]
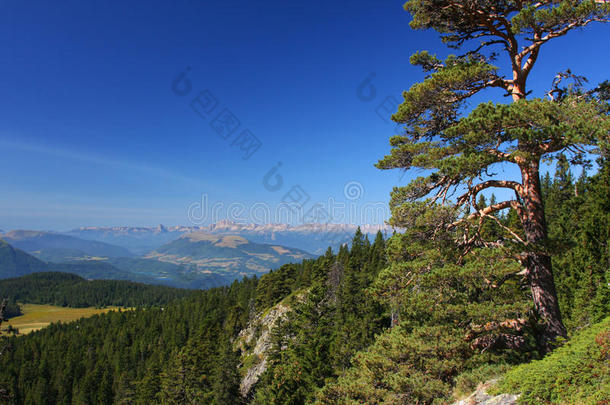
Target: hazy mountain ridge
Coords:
[[139, 240], [313, 238], [52, 246], [15, 262], [231, 255], [180, 256], [192, 260]]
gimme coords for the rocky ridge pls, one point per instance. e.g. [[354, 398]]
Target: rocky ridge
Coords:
[[254, 342], [481, 397]]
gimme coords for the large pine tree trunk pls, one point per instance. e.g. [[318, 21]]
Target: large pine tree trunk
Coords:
[[537, 261]]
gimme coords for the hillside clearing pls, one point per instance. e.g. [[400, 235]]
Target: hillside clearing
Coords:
[[36, 317]]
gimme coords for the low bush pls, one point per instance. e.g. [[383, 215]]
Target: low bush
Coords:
[[577, 373]]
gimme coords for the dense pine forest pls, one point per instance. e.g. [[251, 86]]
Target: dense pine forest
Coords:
[[355, 332], [70, 290]]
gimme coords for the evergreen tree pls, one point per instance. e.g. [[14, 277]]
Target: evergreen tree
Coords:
[[184, 381], [226, 383], [300, 360], [459, 151], [105, 394], [579, 231], [126, 393], [148, 387], [453, 317]]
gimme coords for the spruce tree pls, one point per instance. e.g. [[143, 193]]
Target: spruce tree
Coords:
[[461, 152], [226, 384]]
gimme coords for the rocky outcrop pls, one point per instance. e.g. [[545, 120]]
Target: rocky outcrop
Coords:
[[481, 397], [255, 344]]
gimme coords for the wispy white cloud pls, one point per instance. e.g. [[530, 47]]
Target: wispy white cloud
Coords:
[[90, 158]]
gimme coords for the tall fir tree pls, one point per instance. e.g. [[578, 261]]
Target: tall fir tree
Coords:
[[461, 151], [226, 381]]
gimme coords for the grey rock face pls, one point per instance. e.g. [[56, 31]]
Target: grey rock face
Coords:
[[481, 397], [258, 333]]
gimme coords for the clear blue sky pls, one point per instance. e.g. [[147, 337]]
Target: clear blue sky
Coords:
[[92, 134]]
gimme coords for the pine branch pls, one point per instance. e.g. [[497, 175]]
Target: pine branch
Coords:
[[487, 211], [474, 191]]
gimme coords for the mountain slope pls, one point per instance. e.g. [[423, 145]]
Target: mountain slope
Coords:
[[313, 238], [15, 263], [51, 246], [226, 254], [576, 373], [97, 270], [139, 240]]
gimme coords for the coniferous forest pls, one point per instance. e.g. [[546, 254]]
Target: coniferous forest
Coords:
[[70, 290], [498, 270], [356, 332]]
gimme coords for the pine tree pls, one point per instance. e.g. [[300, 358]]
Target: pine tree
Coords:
[[460, 151], [183, 382], [579, 229], [148, 387], [377, 253], [125, 393], [299, 362], [226, 383], [2, 310], [105, 393]]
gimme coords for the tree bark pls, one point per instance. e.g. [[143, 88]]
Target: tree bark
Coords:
[[537, 261]]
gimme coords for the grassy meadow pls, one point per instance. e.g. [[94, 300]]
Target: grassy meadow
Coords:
[[36, 317]]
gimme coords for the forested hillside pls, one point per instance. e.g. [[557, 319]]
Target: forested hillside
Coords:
[[474, 316], [14, 262], [337, 341], [70, 290]]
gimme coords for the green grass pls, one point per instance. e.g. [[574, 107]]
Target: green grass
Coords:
[[36, 317], [576, 373]]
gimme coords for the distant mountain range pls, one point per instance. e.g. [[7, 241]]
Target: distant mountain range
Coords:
[[312, 238], [15, 263], [139, 240], [51, 246], [179, 256], [230, 255]]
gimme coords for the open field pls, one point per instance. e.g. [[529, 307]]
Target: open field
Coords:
[[36, 317]]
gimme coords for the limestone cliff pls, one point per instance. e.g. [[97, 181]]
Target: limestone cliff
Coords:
[[254, 343]]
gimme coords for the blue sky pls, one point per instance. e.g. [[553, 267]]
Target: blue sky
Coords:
[[91, 132]]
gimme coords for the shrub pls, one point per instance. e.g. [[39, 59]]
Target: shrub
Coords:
[[577, 373], [468, 381]]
